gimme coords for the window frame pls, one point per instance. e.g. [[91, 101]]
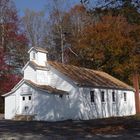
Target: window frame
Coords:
[[125, 96], [102, 96], [23, 98], [61, 96], [113, 96], [29, 98], [34, 55], [92, 96]]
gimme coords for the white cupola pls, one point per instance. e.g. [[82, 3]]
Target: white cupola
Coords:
[[38, 55]]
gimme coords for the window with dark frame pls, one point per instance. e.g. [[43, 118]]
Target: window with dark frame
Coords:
[[33, 55], [60, 95], [46, 56], [23, 98], [113, 97], [124, 96], [103, 96], [30, 97], [92, 96]]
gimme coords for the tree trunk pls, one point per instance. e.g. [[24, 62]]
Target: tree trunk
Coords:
[[137, 97]]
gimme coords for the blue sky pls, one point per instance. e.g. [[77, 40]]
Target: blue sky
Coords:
[[31, 4], [36, 5]]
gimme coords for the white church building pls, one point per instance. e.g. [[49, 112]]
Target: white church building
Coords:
[[53, 91]]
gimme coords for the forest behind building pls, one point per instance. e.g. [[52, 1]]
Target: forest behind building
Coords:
[[97, 34]]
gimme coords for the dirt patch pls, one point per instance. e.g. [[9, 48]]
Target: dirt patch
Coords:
[[1, 116], [109, 130], [24, 117], [121, 128]]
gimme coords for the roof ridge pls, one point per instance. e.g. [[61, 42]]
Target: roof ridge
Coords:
[[38, 49], [74, 66]]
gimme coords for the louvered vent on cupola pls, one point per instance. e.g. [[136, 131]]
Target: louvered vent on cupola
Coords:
[[38, 55]]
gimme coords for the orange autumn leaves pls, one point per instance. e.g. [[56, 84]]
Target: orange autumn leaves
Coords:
[[99, 41], [110, 42]]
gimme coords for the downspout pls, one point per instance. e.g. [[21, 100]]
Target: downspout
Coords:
[[136, 87]]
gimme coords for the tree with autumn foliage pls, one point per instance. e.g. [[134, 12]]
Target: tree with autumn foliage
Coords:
[[78, 19], [12, 38], [34, 24], [107, 45], [7, 80], [58, 27], [13, 47], [98, 42], [129, 9], [65, 30]]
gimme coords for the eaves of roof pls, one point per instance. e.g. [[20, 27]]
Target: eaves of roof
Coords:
[[38, 49], [35, 66], [46, 88]]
